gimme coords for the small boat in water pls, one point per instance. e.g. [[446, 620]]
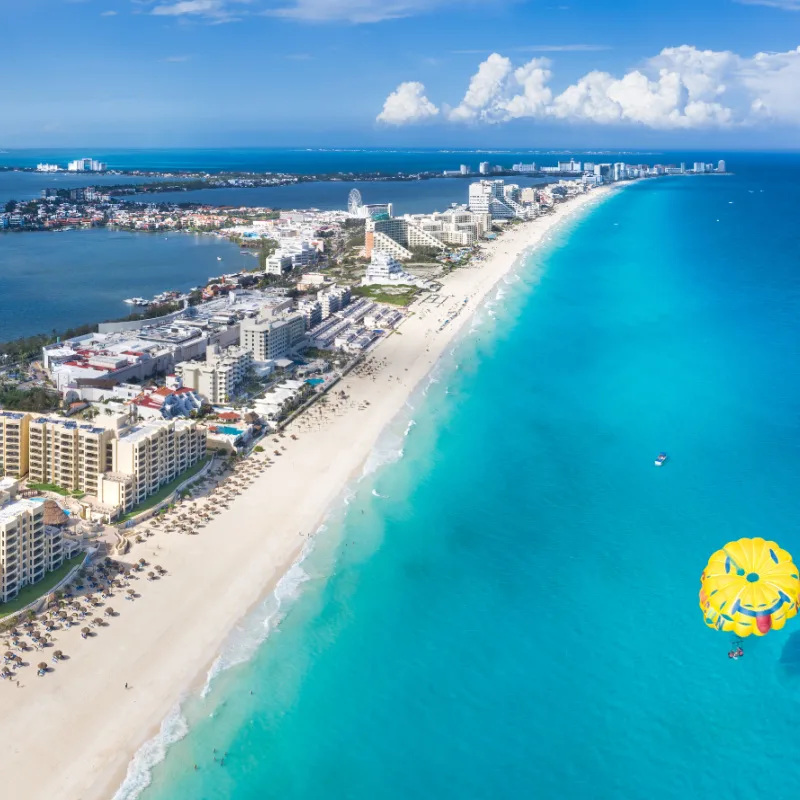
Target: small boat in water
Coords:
[[660, 459]]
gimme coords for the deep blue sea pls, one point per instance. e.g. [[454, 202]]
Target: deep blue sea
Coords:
[[515, 613]]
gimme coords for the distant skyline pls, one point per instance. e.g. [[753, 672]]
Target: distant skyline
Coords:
[[381, 73]]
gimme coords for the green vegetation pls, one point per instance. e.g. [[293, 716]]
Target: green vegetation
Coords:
[[258, 449], [426, 255], [49, 487], [383, 294], [35, 399], [30, 347], [152, 312], [30, 594], [165, 491]]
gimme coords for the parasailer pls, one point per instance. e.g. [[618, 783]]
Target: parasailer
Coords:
[[751, 586]]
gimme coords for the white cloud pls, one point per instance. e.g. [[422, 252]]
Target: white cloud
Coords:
[[108, 13], [786, 5], [681, 87], [485, 88], [542, 48], [355, 11], [218, 10], [406, 104]]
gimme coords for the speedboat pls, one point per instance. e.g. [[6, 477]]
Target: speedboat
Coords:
[[660, 459]]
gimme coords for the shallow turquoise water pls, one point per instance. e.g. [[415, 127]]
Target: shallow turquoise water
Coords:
[[514, 614]]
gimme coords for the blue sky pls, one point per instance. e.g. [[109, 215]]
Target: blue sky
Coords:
[[400, 72]]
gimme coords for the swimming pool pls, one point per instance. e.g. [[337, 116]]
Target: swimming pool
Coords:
[[229, 430], [315, 381], [42, 500]]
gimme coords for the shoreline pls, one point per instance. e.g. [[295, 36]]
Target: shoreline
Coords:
[[171, 636]]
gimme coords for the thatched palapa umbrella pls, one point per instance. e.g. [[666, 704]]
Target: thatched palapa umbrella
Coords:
[[53, 515], [58, 655]]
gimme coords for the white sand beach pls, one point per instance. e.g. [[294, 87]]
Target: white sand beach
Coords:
[[72, 733]]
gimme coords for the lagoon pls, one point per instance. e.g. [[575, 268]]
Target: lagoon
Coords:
[[53, 281]]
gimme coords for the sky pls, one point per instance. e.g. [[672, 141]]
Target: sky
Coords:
[[383, 73]]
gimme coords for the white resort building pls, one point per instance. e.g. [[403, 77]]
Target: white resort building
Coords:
[[399, 236], [148, 456], [113, 463], [268, 339], [384, 270], [498, 199], [219, 376], [29, 547]]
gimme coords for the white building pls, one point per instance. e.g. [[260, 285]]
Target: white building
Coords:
[[386, 271], [218, 378], [489, 197], [146, 457], [721, 166], [27, 551], [268, 339], [398, 236], [86, 165], [485, 168], [47, 168], [524, 168], [333, 300], [311, 311]]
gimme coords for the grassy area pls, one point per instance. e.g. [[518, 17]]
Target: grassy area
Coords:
[[380, 294], [33, 592], [165, 491], [49, 487]]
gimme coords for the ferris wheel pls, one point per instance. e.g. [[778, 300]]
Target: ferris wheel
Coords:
[[354, 203]]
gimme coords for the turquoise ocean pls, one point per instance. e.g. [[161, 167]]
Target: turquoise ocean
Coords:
[[515, 614]]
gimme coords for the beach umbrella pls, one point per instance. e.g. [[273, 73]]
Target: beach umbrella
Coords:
[[131, 592], [97, 621], [42, 666], [85, 631], [150, 576], [58, 654], [109, 611]]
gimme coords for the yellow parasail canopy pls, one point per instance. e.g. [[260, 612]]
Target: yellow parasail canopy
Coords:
[[750, 586]]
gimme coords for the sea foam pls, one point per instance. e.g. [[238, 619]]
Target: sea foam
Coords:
[[153, 752]]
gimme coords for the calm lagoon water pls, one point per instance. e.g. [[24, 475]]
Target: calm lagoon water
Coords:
[[515, 614], [408, 197], [58, 280]]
